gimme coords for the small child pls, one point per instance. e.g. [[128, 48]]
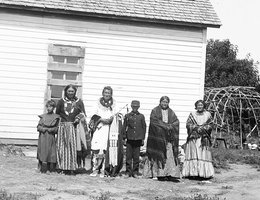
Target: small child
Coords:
[[47, 128], [181, 158], [134, 129]]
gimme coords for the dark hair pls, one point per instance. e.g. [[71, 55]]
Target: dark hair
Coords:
[[163, 98], [107, 88], [51, 103], [200, 101], [70, 86]]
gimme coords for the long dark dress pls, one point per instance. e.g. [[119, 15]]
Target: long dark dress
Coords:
[[66, 140], [46, 151], [162, 143]]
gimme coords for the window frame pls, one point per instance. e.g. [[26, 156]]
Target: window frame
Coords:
[[66, 51]]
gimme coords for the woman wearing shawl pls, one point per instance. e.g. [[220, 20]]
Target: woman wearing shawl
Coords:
[[106, 143], [163, 142], [70, 108], [198, 159]]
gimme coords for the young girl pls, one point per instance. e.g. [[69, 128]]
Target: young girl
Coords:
[[47, 128]]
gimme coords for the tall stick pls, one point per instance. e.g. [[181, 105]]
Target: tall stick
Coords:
[[240, 121]]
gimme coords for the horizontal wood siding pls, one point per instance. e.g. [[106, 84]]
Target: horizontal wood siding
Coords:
[[139, 62], [146, 69], [22, 81]]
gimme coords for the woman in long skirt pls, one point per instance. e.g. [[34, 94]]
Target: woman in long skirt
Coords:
[[69, 108], [198, 158], [163, 143]]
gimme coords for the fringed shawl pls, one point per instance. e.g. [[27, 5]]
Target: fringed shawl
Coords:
[[200, 129], [160, 133]]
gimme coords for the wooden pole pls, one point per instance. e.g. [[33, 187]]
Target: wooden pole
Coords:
[[240, 122]]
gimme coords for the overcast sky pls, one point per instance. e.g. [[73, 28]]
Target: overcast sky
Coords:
[[240, 24]]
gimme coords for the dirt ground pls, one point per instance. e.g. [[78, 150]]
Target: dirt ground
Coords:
[[19, 177]]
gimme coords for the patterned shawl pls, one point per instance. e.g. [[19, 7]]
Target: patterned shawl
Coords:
[[196, 130], [69, 105], [160, 133]]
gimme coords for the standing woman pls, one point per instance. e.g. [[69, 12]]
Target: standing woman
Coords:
[[198, 159], [68, 107], [106, 143], [163, 142]]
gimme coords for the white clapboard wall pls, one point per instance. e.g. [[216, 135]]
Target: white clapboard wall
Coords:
[[138, 62]]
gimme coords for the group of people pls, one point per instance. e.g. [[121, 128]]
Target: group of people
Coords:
[[65, 138]]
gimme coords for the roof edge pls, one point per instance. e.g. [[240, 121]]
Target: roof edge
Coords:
[[106, 16]]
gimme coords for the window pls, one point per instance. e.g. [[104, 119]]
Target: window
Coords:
[[65, 67]]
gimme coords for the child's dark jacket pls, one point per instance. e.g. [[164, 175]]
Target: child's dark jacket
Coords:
[[47, 127], [134, 126]]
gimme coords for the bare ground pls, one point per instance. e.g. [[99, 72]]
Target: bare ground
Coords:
[[19, 177]]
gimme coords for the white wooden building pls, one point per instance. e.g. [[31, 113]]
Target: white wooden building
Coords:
[[143, 49]]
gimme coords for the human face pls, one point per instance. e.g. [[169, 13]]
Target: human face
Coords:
[[164, 104], [107, 95], [135, 108], [71, 93], [49, 109], [200, 107]]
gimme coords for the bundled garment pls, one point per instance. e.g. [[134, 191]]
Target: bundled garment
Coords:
[[198, 158], [47, 128], [83, 140], [162, 144], [93, 124]]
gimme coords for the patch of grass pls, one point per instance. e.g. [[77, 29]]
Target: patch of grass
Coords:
[[131, 192], [227, 187], [17, 196], [5, 196], [26, 196], [11, 150], [51, 188], [252, 159], [195, 190], [222, 157], [194, 197], [103, 196], [76, 192], [1, 146]]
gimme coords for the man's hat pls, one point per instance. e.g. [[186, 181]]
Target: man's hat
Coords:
[[135, 103]]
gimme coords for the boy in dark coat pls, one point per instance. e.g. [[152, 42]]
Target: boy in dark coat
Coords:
[[134, 129]]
